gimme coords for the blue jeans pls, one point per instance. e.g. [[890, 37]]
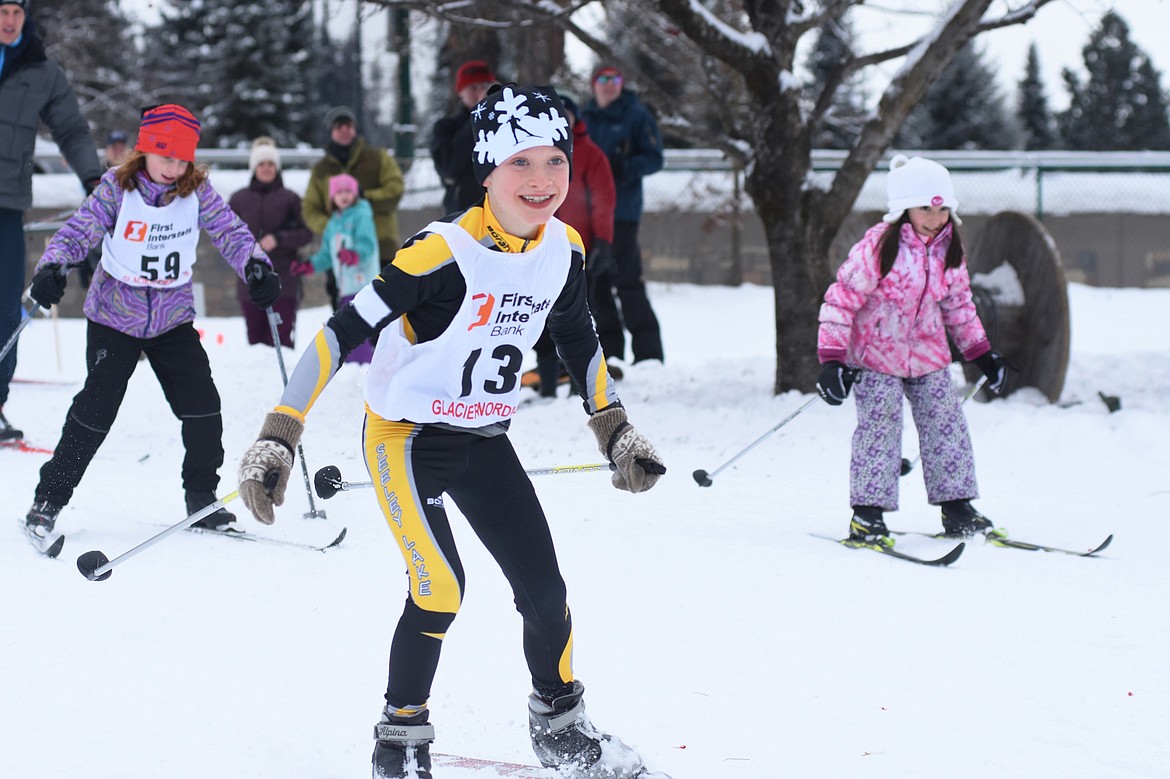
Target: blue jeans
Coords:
[[12, 260]]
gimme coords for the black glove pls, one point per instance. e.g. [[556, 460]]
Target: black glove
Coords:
[[617, 164], [834, 383], [48, 285], [600, 260], [994, 368], [91, 184], [263, 283]]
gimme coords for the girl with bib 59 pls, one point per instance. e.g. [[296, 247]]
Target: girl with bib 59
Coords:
[[146, 214]]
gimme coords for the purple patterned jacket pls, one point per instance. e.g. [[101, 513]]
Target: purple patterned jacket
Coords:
[[144, 312]]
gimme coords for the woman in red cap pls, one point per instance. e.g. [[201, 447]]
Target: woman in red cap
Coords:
[[146, 214]]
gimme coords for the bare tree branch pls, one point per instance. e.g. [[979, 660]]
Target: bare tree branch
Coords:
[[739, 56]]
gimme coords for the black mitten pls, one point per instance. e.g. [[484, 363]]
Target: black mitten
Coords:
[[263, 283], [994, 368], [48, 286], [600, 259], [834, 383]]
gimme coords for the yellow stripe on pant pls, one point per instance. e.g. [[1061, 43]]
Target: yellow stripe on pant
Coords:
[[433, 585]]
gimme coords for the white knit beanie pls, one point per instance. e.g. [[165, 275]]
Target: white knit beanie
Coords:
[[263, 149], [917, 181]]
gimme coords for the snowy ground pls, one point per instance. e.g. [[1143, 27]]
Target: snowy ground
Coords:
[[713, 632]]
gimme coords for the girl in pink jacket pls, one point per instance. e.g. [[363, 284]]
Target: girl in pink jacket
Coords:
[[884, 326]]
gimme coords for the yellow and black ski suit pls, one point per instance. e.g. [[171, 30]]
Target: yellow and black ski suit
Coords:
[[416, 466]]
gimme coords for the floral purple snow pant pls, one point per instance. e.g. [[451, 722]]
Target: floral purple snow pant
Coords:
[[948, 462]]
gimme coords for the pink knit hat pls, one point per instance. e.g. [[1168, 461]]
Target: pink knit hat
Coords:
[[342, 182]]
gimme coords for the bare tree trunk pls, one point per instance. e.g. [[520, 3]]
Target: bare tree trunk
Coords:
[[800, 274]]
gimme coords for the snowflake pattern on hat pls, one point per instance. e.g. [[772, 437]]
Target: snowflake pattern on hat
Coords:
[[511, 125]]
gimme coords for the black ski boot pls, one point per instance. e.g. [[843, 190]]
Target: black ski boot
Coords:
[[962, 520], [564, 738], [197, 499], [402, 749], [7, 431], [42, 518], [868, 526]]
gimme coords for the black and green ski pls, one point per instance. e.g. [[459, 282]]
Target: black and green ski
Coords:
[[890, 551], [999, 537]]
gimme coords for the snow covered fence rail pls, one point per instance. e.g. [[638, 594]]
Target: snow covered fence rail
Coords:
[[1105, 210]]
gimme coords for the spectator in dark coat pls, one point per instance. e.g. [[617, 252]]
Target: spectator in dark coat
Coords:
[[33, 91], [627, 133], [451, 139], [273, 214]]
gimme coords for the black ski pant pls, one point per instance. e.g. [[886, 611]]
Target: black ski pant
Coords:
[[413, 468], [635, 313], [180, 363]]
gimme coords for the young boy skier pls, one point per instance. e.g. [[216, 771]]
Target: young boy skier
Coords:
[[458, 307]]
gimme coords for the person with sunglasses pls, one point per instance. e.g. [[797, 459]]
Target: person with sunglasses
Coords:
[[627, 132]]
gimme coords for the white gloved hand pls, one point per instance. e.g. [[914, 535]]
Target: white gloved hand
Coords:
[[265, 467], [638, 464]]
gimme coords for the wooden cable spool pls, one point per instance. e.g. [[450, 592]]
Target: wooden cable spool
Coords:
[[1021, 293]]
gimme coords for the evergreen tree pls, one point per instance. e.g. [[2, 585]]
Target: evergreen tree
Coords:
[[243, 68], [265, 66], [92, 42], [337, 81], [176, 61], [963, 110], [1121, 107], [842, 122], [1039, 127]]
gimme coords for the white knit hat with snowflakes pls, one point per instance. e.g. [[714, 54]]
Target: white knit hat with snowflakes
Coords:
[[511, 119], [917, 181]]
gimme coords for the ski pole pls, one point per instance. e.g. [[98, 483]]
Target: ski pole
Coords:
[[26, 316], [51, 222], [273, 322], [328, 480], [96, 567], [704, 479], [908, 465]]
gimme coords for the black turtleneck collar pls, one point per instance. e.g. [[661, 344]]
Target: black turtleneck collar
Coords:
[[341, 152]]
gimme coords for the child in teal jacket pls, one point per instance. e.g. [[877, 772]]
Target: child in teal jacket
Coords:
[[349, 247]]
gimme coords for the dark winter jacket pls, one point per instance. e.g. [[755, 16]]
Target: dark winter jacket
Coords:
[[451, 144], [588, 207], [272, 209], [627, 133], [381, 183], [33, 89]]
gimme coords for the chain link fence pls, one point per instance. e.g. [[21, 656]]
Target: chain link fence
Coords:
[[1106, 213]]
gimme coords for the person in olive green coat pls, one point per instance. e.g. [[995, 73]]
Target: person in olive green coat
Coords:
[[377, 173]]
